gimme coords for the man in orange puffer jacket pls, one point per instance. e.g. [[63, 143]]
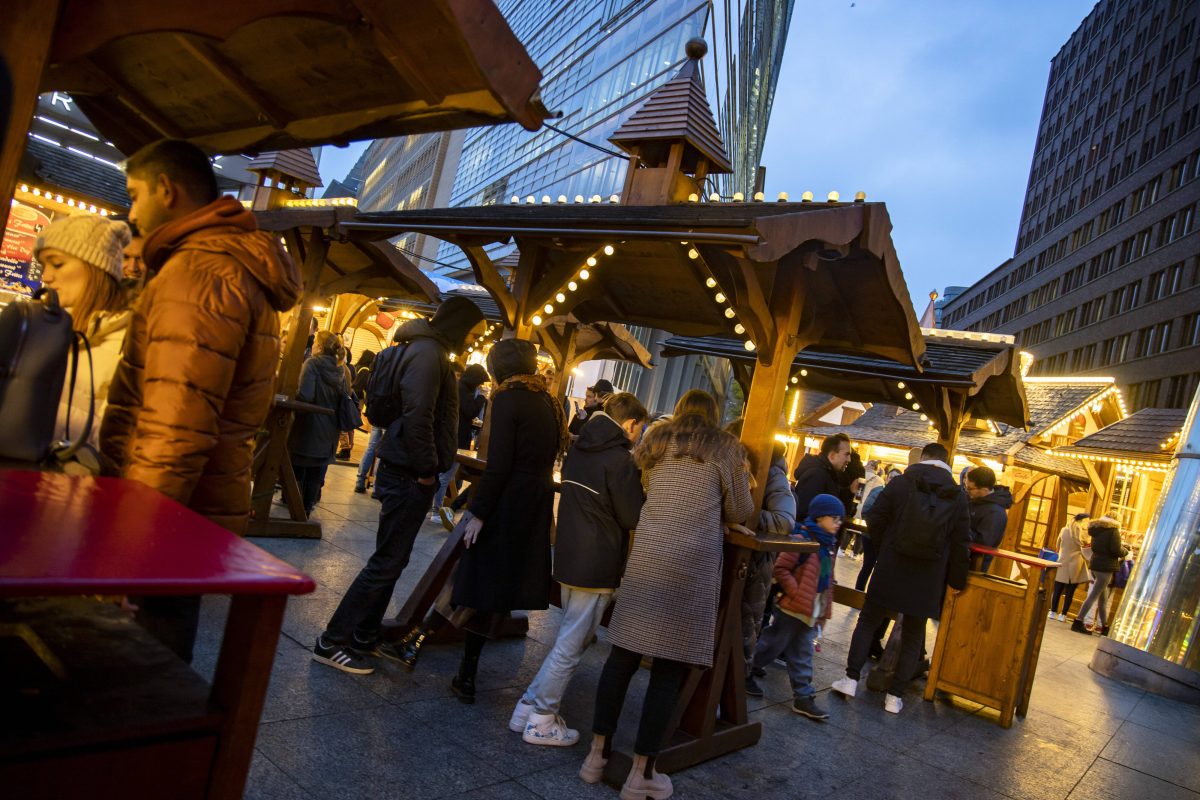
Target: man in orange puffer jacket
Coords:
[[807, 583]]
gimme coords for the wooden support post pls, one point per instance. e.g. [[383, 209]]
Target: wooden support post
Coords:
[[957, 404], [25, 39]]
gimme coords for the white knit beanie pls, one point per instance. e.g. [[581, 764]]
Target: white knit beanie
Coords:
[[97, 241]]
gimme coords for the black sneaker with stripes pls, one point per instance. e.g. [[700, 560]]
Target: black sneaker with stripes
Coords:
[[342, 658]]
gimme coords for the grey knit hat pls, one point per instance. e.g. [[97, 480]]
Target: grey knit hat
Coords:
[[97, 241]]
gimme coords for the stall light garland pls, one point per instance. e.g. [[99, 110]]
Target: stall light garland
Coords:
[[482, 339], [1129, 464], [321, 202], [37, 194], [721, 298], [1171, 440], [567, 290]]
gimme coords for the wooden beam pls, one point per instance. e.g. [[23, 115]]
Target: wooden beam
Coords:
[[388, 37], [138, 105], [234, 80], [956, 403], [754, 312], [487, 276], [25, 40], [1099, 485]]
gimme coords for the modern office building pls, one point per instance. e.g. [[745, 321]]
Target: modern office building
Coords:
[[1105, 277]]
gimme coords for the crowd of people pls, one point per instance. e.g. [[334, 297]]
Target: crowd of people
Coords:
[[183, 328]]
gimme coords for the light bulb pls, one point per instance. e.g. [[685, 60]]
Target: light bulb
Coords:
[[545, 198], [738, 197], [549, 308], [730, 313], [924, 418], [714, 198], [916, 406], [530, 199], [536, 320], [720, 298], [560, 297], [739, 329], [616, 198], [783, 197], [693, 253], [803, 373], [833, 196], [860, 197], [608, 250], [795, 379], [591, 262], [908, 395], [749, 345], [572, 285], [562, 198], [578, 198], [584, 274], [758, 197], [900, 385], [806, 197], [711, 283]]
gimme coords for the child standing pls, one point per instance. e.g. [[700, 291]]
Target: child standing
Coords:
[[600, 503], [807, 584]]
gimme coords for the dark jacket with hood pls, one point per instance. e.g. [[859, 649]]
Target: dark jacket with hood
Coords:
[[197, 374], [989, 516], [600, 503], [814, 475], [910, 585], [470, 402], [314, 437], [1107, 549], [423, 439]]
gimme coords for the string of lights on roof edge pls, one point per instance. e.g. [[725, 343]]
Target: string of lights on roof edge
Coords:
[[40, 195]]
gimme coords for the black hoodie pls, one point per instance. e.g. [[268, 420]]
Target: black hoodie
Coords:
[[989, 516], [601, 501], [422, 440], [314, 437], [814, 475]]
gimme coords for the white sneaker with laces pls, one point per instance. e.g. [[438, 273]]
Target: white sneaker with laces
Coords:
[[1062, 617], [520, 716], [892, 704], [847, 686], [549, 729], [1052, 615]]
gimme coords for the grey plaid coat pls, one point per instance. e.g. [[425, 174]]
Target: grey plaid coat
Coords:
[[667, 602]]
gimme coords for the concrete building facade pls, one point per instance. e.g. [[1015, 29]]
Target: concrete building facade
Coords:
[[1105, 276]]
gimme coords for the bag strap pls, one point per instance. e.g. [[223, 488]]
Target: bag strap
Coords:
[[67, 449]]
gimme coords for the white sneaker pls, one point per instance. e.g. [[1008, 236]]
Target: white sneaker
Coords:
[[520, 716], [892, 704], [549, 729], [845, 686], [1052, 615], [1062, 617]]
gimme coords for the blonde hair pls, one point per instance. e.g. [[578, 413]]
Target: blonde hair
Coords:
[[329, 343], [101, 294], [693, 429]]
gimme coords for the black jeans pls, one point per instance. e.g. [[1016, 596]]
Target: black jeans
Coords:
[[868, 564], [912, 640], [171, 620], [310, 480], [405, 504], [1059, 590], [666, 681]]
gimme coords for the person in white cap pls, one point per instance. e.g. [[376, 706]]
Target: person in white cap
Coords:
[[81, 259]]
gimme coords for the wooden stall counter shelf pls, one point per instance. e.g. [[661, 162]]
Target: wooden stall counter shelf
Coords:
[[991, 634], [93, 706], [273, 466]]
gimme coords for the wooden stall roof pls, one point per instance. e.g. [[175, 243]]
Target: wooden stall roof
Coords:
[[988, 370], [253, 75], [595, 341], [374, 269], [1150, 434], [853, 291]]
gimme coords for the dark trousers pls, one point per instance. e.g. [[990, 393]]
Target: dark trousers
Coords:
[[868, 563], [171, 620], [912, 640], [405, 504], [666, 681], [310, 480], [1059, 590]]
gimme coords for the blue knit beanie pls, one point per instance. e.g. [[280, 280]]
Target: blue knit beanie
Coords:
[[825, 505]]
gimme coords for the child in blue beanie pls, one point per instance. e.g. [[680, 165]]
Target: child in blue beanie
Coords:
[[807, 584]]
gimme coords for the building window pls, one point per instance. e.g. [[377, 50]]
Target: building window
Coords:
[[1039, 507], [1122, 505], [1180, 390]]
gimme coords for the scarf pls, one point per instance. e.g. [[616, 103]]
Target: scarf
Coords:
[[809, 529], [539, 383]]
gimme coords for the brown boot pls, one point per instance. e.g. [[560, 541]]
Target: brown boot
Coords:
[[593, 766], [638, 786]]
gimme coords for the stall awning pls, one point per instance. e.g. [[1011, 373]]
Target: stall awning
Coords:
[[1150, 434], [253, 75]]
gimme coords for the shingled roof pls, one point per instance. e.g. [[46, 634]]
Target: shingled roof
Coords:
[[1141, 434], [62, 169], [298, 164], [677, 110]]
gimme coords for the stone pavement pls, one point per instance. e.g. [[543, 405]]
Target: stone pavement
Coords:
[[399, 735]]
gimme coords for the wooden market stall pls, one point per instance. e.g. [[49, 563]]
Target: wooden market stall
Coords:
[[781, 276]]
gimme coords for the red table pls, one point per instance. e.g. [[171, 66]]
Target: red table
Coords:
[[72, 536]]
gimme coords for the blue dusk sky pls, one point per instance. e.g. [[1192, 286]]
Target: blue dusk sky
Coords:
[[931, 106]]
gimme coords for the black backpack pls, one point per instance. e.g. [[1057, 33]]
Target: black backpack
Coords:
[[35, 341], [926, 520], [384, 404]]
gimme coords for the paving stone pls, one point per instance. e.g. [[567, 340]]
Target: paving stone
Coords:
[[266, 781], [1168, 716], [1162, 755], [1109, 781], [901, 776]]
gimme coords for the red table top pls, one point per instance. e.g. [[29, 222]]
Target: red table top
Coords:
[[64, 535]]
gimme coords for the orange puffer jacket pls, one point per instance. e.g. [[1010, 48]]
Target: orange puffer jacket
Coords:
[[197, 374], [799, 584]]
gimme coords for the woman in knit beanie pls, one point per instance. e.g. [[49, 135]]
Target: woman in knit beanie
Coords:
[[81, 259]]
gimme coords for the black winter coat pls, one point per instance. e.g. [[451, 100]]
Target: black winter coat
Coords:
[[422, 441], [508, 567], [814, 475], [989, 516], [1107, 550], [600, 503], [908, 585], [314, 437], [470, 406]]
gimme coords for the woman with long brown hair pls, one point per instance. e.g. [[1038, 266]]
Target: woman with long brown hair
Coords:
[[81, 258], [696, 481]]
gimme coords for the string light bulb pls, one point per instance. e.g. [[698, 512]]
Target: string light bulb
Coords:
[[584, 274], [900, 385], [711, 283], [738, 197], [608, 250], [807, 197], [908, 396], [719, 297], [833, 196], [730, 313], [783, 197], [739, 329], [795, 379], [714, 198], [693, 198], [803, 373], [591, 262], [758, 197], [694, 254], [749, 345], [537, 320], [548, 308], [560, 297], [860, 197], [572, 285]]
